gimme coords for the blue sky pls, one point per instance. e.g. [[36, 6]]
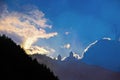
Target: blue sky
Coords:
[[84, 20]]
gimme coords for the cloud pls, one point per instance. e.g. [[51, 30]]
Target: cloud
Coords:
[[67, 46], [38, 50], [67, 33], [25, 28]]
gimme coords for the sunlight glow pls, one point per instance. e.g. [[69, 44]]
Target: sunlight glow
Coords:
[[26, 29]]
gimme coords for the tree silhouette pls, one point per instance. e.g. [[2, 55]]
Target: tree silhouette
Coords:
[[16, 64]]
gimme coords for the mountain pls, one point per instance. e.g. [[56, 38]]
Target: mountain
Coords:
[[43, 59], [16, 64], [72, 68], [72, 57], [104, 53]]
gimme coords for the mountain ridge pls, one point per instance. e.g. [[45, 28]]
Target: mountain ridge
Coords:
[[104, 53], [73, 68], [16, 64]]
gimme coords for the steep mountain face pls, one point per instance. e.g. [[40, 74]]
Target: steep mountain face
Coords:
[[105, 53], [15, 64], [72, 57]]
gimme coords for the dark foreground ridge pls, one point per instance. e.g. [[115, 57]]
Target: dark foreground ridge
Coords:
[[16, 64]]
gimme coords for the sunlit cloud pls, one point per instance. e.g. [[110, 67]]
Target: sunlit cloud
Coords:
[[25, 28], [67, 46], [39, 50]]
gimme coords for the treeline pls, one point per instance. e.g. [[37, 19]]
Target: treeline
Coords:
[[16, 64]]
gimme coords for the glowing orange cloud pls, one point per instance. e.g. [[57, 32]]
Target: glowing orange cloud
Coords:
[[26, 27]]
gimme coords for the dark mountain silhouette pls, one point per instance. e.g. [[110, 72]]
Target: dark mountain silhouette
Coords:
[[16, 64], [105, 53], [72, 57], [74, 68]]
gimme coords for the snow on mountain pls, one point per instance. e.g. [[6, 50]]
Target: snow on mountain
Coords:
[[72, 57], [101, 61], [104, 53]]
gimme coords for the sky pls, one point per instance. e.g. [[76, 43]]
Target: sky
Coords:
[[55, 27]]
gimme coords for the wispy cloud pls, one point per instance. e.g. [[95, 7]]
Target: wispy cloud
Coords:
[[67, 33], [25, 28], [39, 50]]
